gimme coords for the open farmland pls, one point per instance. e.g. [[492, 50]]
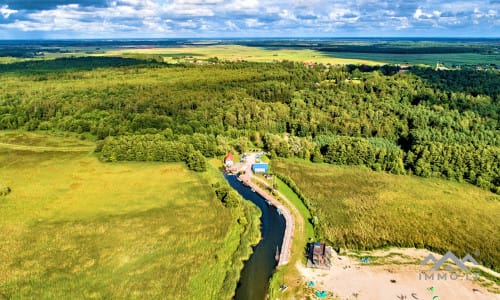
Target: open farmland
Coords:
[[236, 52]]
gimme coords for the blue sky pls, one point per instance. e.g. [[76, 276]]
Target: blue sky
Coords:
[[20, 19]]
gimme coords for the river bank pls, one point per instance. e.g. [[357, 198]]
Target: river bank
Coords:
[[254, 278]]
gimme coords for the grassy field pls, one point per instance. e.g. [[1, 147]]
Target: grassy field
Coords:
[[235, 52], [40, 142], [361, 209], [74, 228], [299, 205], [424, 59]]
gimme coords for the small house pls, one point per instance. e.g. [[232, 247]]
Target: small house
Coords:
[[310, 64], [260, 168], [319, 256], [229, 160]]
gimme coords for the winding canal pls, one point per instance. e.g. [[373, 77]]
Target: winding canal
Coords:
[[254, 279]]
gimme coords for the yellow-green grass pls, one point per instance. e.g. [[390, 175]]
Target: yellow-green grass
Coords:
[[74, 228], [362, 209], [303, 232], [235, 53], [299, 205], [42, 142]]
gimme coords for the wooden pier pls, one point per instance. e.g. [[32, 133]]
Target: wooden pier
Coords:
[[286, 246]]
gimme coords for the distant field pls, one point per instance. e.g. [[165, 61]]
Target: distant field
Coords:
[[189, 53], [234, 52], [335, 51], [362, 209], [425, 59], [263, 54], [74, 228]]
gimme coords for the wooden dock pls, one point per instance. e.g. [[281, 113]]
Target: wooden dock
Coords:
[[286, 246]]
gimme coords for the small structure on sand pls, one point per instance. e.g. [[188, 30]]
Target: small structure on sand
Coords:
[[319, 255]]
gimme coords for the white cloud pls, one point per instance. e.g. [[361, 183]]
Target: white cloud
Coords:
[[273, 9], [479, 15], [389, 13], [340, 14], [187, 24], [99, 20], [286, 14], [198, 2], [268, 17], [450, 20], [420, 14], [6, 12], [404, 23], [253, 23], [459, 6], [231, 26], [193, 11], [243, 5], [156, 25]]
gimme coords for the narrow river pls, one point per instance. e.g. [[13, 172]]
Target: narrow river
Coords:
[[254, 280]]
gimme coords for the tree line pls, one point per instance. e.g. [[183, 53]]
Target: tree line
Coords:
[[150, 148]]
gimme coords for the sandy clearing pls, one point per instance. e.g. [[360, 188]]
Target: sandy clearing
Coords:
[[348, 278]]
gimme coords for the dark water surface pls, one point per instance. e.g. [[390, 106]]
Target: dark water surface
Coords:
[[254, 280]]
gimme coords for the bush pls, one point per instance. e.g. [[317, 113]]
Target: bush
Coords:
[[226, 195], [196, 161], [4, 190]]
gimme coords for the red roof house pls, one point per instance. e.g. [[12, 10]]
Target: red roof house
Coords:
[[229, 159]]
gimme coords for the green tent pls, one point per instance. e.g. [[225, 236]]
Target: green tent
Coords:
[[322, 294]]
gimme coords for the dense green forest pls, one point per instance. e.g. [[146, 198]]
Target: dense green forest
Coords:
[[422, 122]]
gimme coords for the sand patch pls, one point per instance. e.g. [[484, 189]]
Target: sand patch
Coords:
[[350, 279]]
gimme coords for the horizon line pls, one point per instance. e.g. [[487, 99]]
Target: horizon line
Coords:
[[249, 37]]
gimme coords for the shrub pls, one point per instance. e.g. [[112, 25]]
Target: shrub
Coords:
[[4, 190], [196, 161]]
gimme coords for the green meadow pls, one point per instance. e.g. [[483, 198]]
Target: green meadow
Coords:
[[73, 227], [363, 209]]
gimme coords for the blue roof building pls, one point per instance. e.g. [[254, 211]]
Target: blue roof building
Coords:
[[260, 168]]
